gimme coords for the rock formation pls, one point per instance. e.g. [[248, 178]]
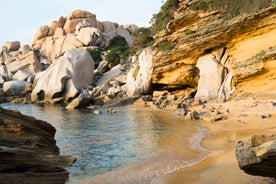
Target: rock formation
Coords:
[[65, 78], [76, 30], [28, 151], [56, 66], [15, 86], [139, 76], [257, 156], [204, 41]]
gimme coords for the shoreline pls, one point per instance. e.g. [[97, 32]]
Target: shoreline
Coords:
[[221, 165]]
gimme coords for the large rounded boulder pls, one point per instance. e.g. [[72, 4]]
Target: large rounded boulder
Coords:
[[65, 77]]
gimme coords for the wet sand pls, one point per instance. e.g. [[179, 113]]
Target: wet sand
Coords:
[[221, 166]]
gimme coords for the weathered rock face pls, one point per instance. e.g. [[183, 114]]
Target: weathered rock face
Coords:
[[76, 17], [12, 46], [257, 156], [28, 146], [114, 72], [65, 77], [15, 86], [22, 75], [211, 78], [27, 62], [139, 77], [4, 74], [196, 33], [81, 101], [78, 29]]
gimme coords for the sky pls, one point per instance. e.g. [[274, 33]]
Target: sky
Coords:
[[20, 19]]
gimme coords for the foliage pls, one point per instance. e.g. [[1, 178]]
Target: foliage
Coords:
[[189, 32], [118, 49], [118, 41], [142, 38], [233, 8], [95, 54], [165, 46], [161, 19], [113, 57], [260, 56]]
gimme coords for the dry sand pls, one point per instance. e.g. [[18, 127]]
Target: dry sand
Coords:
[[221, 166]]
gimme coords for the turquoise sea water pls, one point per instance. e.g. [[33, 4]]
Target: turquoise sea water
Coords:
[[133, 145]]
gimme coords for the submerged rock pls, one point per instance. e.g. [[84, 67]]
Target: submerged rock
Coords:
[[28, 151], [257, 156]]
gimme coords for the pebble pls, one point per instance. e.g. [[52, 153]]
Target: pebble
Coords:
[[97, 112]]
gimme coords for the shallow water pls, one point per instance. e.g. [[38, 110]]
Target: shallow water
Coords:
[[134, 145]]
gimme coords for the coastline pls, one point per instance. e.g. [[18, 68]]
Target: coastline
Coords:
[[172, 158], [221, 165]]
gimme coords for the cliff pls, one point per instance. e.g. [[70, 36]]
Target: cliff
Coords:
[[203, 49]]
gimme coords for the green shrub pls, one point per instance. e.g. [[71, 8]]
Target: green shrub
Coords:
[[113, 57], [117, 50], [95, 54], [142, 38], [189, 32], [232, 8], [161, 19], [260, 56], [165, 46], [118, 41]]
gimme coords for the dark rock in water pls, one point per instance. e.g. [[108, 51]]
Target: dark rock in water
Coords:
[[257, 156], [57, 176], [28, 151]]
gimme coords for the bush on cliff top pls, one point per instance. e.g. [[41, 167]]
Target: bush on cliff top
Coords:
[[142, 38], [161, 19], [233, 8]]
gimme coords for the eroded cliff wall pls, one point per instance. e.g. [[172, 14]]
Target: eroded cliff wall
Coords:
[[203, 47]]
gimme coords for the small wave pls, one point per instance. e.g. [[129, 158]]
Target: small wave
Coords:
[[195, 143]]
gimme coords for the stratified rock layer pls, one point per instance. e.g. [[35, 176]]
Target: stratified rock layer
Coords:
[[237, 46], [27, 145], [257, 156]]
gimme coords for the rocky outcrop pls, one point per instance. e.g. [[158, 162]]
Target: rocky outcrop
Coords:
[[27, 62], [4, 74], [12, 46], [28, 151], [15, 86], [14, 58], [83, 100], [65, 78], [236, 46], [257, 156], [107, 76], [211, 78], [139, 77], [76, 30]]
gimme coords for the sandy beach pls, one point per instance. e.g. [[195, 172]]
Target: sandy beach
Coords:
[[221, 166]]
